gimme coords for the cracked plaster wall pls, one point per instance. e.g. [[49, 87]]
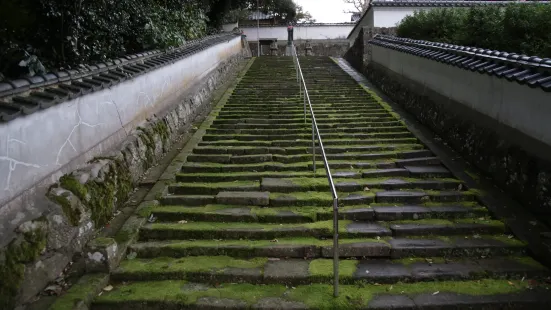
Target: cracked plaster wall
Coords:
[[501, 127], [36, 150]]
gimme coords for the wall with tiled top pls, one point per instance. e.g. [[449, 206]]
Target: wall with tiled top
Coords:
[[38, 148], [492, 107]]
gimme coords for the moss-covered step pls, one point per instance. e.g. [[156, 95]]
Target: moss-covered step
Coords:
[[322, 199], [301, 125], [306, 142], [305, 129], [264, 231], [289, 159], [204, 188], [179, 294], [342, 119], [229, 213], [306, 136], [442, 227], [277, 248], [220, 269], [308, 214], [430, 246], [248, 150], [413, 196], [394, 212], [288, 185], [195, 167]]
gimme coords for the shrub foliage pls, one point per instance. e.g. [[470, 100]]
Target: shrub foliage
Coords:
[[519, 28]]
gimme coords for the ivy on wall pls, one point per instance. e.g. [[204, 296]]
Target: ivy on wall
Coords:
[[518, 28]]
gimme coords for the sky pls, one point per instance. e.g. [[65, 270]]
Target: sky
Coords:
[[327, 11]]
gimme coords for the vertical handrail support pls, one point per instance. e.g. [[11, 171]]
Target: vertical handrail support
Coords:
[[315, 133]]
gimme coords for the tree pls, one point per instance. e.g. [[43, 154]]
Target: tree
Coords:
[[304, 17], [360, 5]]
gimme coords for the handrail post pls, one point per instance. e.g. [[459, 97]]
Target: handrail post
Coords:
[[313, 147], [336, 247]]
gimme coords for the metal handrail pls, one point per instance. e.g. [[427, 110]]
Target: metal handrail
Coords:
[[315, 133]]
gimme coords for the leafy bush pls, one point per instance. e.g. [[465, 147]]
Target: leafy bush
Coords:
[[66, 33], [519, 28]]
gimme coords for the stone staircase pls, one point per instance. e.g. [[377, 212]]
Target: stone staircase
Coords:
[[247, 224]]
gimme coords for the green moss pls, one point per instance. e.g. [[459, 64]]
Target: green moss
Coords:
[[324, 268], [25, 249], [72, 214], [414, 260], [190, 264], [316, 296], [220, 184], [101, 197], [215, 226], [527, 260], [160, 128], [83, 291], [71, 184], [102, 242], [263, 243]]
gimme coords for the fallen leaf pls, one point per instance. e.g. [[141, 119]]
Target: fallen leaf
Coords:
[[182, 222], [275, 240], [436, 293], [378, 238], [367, 271], [108, 288], [510, 283], [366, 189]]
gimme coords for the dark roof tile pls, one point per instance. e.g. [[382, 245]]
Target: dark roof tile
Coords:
[[9, 111], [524, 69], [27, 106]]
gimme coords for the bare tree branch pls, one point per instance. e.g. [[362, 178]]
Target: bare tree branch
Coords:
[[360, 5]]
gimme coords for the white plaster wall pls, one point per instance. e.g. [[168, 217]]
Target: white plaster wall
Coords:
[[518, 106], [392, 16], [366, 21], [229, 27], [39, 145], [300, 33]]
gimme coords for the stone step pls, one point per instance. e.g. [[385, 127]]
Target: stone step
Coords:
[[282, 185], [396, 248], [182, 294], [377, 135], [215, 131], [302, 125], [307, 214], [320, 229], [306, 143], [220, 269], [376, 164], [246, 150], [297, 199], [341, 119], [403, 152]]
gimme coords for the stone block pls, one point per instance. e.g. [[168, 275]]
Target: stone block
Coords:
[[244, 198], [101, 255]]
